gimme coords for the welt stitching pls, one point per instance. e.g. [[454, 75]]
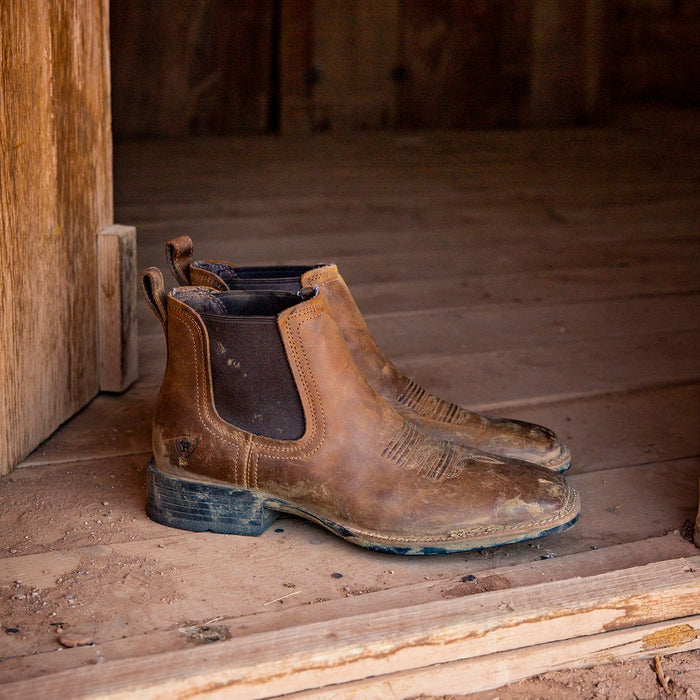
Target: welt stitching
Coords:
[[253, 461]]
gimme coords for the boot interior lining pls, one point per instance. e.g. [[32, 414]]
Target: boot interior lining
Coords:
[[237, 303], [278, 277]]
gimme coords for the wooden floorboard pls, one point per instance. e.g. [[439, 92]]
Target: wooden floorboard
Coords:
[[393, 260], [547, 373], [546, 275], [495, 670], [174, 632], [391, 641]]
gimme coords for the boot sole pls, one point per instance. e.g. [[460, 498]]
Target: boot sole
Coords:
[[201, 506]]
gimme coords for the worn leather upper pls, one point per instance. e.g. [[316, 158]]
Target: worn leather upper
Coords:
[[359, 464]]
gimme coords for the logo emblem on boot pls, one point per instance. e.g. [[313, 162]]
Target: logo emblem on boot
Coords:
[[184, 445]]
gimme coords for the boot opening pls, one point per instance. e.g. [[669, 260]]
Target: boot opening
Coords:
[[274, 277]]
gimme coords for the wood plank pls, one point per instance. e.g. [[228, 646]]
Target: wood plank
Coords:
[[355, 49], [498, 379], [466, 64], [559, 37], [108, 426], [207, 68], [528, 287], [623, 429], [613, 180], [116, 307], [495, 670], [56, 174], [459, 330], [417, 255], [123, 641], [320, 654], [419, 210], [296, 20]]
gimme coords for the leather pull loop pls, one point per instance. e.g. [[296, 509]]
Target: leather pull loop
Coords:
[[153, 290], [179, 253]]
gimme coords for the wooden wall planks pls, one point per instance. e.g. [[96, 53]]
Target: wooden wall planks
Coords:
[[55, 194], [190, 67], [356, 46]]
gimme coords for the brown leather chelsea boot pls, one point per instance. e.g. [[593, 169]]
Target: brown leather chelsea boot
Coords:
[[263, 410], [435, 417]]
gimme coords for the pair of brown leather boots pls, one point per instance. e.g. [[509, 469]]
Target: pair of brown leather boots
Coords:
[[276, 399]]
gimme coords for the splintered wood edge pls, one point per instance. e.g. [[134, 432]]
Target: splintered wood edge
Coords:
[[495, 670], [116, 305], [413, 639]]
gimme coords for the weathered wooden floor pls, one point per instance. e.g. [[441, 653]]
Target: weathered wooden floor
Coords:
[[552, 276]]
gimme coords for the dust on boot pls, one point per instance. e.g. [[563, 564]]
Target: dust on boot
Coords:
[[263, 410]]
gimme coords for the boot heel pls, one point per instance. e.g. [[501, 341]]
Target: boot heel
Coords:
[[200, 506]]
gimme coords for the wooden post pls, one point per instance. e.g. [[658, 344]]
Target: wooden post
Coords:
[[355, 50], [116, 307], [295, 64], [569, 40], [55, 193]]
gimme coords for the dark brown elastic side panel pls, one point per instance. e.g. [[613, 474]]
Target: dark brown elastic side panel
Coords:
[[254, 388], [178, 251], [153, 290]]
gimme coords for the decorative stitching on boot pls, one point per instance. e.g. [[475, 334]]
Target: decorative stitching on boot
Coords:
[[412, 450], [253, 459], [200, 401], [322, 275], [414, 397], [317, 418]]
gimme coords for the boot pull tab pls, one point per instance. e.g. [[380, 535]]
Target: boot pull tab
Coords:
[[153, 290], [179, 252]]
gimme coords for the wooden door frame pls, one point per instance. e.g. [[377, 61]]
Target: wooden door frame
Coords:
[[56, 173]]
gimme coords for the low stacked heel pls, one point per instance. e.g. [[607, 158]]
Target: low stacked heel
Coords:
[[201, 506]]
